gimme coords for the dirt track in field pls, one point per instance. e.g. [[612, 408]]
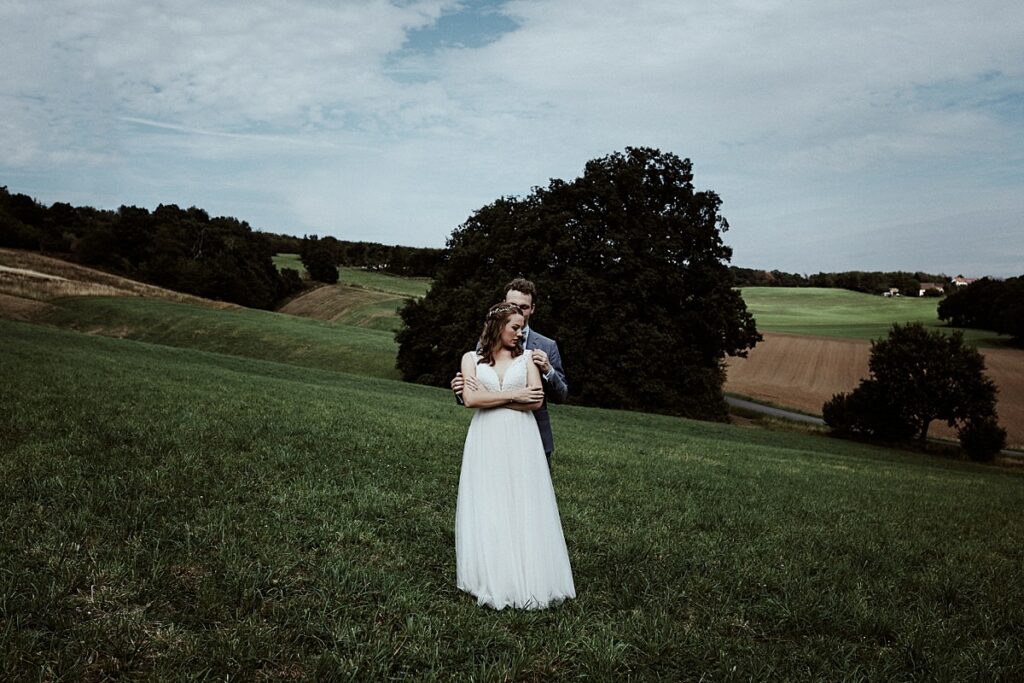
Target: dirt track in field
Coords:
[[803, 372]]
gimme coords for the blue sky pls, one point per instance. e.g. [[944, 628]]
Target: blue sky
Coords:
[[840, 136]]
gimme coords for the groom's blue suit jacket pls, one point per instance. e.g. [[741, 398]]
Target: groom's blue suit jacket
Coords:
[[555, 387]]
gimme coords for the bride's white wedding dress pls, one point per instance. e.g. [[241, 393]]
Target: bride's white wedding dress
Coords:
[[509, 547]]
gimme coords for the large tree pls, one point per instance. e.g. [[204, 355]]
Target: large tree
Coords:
[[633, 278]]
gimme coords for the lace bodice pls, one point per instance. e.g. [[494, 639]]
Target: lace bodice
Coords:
[[515, 375]]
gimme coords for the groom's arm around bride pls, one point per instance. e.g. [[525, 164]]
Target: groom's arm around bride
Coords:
[[546, 357]]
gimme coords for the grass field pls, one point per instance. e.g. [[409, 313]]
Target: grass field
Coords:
[[392, 284], [841, 313], [179, 513], [362, 298], [348, 304], [241, 332], [282, 261]]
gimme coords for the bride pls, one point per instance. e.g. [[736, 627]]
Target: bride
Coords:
[[509, 547]]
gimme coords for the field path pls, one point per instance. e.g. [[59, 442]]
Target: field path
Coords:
[[802, 372]]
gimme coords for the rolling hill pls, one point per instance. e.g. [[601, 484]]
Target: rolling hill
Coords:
[[178, 510]]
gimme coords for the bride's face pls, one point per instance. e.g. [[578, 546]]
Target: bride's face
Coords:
[[513, 331]]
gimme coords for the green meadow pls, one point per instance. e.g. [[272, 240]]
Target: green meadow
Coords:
[[231, 494], [392, 284], [823, 312], [812, 311], [282, 261], [237, 331]]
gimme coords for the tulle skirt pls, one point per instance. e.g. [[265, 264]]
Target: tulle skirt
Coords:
[[509, 546]]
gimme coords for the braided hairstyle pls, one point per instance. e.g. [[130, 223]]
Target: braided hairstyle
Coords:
[[494, 323]]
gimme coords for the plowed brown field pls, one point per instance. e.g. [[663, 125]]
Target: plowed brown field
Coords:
[[803, 372]]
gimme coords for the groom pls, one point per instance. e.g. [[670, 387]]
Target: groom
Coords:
[[523, 293]]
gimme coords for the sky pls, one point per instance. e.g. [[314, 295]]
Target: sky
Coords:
[[871, 135]]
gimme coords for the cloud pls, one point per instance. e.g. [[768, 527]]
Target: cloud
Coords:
[[393, 121]]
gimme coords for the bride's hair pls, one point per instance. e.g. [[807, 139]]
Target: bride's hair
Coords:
[[494, 323]]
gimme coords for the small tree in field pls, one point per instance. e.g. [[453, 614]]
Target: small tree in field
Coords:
[[918, 376], [320, 259]]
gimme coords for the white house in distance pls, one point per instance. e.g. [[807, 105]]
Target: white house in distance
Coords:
[[926, 286], [961, 281]]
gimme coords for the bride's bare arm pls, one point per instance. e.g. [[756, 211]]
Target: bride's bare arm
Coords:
[[480, 398], [533, 384]]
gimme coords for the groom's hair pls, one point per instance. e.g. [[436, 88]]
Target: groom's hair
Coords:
[[524, 286]]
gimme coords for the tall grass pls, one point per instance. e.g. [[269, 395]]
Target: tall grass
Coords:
[[171, 513]]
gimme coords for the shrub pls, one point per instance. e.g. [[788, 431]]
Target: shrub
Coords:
[[982, 438]]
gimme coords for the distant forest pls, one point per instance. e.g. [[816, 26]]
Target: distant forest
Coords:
[[874, 282], [224, 258], [186, 250]]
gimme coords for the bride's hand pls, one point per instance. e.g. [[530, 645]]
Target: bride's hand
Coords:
[[528, 395]]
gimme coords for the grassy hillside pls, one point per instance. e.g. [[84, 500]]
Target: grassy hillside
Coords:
[[240, 332], [393, 284], [29, 276], [841, 313], [361, 297], [350, 304], [175, 513]]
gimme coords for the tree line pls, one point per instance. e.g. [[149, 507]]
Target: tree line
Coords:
[[987, 304], [633, 283], [189, 251], [869, 282]]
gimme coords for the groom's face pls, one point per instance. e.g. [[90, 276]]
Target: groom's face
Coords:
[[523, 301]]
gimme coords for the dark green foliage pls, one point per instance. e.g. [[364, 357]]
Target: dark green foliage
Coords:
[[752, 277], [21, 218], [987, 304], [866, 411], [181, 249], [917, 376], [291, 282], [633, 284], [876, 282], [320, 257], [982, 438], [873, 282], [396, 260]]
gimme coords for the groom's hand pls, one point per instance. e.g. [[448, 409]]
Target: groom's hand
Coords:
[[459, 383], [540, 359]]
